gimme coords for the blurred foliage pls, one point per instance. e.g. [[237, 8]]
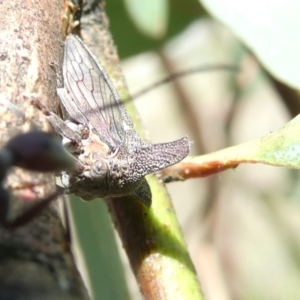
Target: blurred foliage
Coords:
[[142, 13], [131, 41], [95, 234], [269, 28], [242, 226]]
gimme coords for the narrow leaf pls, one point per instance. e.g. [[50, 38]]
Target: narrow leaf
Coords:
[[279, 148]]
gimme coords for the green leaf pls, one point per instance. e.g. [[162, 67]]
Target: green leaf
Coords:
[[94, 232], [149, 16], [280, 148], [270, 28]]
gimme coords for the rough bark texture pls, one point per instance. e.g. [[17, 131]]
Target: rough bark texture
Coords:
[[35, 260]]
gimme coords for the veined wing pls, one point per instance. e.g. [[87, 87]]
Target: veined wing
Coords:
[[92, 92]]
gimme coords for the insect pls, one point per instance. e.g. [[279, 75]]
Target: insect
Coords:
[[34, 151], [113, 158]]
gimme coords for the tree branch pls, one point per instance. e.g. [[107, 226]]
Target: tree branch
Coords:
[[35, 260]]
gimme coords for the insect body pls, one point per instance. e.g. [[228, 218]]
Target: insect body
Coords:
[[34, 151], [114, 158]]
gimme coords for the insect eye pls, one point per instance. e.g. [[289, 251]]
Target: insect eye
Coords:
[[99, 170]]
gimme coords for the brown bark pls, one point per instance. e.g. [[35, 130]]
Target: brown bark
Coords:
[[35, 260]]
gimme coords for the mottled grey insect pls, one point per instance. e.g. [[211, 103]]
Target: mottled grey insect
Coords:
[[113, 158]]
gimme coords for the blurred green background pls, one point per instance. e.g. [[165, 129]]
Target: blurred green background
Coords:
[[131, 40], [242, 225]]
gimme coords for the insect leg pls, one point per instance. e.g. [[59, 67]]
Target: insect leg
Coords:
[[72, 138], [35, 151], [25, 217]]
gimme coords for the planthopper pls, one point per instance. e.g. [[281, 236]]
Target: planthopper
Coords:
[[113, 160]]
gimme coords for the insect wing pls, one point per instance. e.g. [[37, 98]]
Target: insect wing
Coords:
[[93, 92]]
